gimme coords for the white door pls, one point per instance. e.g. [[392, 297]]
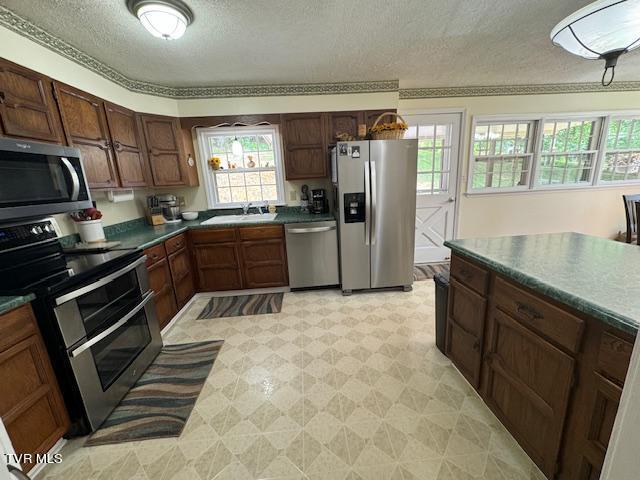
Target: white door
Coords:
[[438, 157], [8, 454]]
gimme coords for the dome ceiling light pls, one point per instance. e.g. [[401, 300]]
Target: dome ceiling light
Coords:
[[166, 19], [602, 30]]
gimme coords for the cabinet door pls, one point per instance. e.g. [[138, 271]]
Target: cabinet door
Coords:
[[343, 122], [163, 139], [527, 386], [264, 263], [85, 126], [182, 276], [160, 283], [27, 107], [218, 266], [127, 145], [465, 330], [305, 147], [31, 406]]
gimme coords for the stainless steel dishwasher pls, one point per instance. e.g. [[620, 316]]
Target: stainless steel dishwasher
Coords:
[[312, 253]]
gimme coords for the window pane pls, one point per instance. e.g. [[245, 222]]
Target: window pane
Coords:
[[238, 194], [267, 159], [252, 178], [254, 194], [269, 192], [425, 160], [222, 179], [268, 178], [621, 166], [425, 182], [224, 195], [265, 142], [236, 179]]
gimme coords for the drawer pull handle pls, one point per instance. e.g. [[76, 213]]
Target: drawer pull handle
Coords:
[[529, 312], [464, 273], [476, 345]]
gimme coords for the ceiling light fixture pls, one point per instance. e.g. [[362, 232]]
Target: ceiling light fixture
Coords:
[[603, 30], [166, 19]]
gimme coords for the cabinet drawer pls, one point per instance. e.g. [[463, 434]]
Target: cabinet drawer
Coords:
[[558, 325], [218, 235], [16, 325], [469, 274], [614, 357], [257, 233], [155, 254], [176, 243]]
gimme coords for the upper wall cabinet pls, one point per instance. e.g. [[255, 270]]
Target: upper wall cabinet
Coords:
[[168, 162], [85, 126], [343, 122], [27, 107], [126, 141], [305, 145]]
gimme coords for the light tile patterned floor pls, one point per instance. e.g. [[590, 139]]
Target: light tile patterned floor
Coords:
[[331, 388]]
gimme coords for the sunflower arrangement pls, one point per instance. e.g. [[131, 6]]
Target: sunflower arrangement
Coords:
[[390, 130]]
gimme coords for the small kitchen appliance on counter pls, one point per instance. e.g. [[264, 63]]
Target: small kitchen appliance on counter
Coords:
[[319, 203], [170, 205]]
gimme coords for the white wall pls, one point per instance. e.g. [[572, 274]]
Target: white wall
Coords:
[[594, 211]]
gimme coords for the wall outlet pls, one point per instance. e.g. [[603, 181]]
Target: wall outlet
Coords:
[[293, 195]]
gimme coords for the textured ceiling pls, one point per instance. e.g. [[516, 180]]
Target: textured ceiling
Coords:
[[423, 43]]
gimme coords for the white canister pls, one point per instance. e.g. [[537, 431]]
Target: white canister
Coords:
[[91, 231]]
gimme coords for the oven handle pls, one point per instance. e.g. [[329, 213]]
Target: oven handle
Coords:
[[100, 283], [102, 335], [75, 181]]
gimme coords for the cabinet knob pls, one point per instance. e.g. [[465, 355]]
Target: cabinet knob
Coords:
[[2, 97]]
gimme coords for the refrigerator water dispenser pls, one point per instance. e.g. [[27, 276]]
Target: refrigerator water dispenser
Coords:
[[354, 207]]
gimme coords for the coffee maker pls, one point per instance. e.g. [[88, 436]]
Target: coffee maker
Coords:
[[319, 201]]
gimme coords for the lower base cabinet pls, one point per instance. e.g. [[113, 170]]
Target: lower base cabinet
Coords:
[[552, 376], [31, 405], [240, 258], [170, 277]]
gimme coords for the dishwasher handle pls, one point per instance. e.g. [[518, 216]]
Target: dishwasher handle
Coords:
[[311, 230]]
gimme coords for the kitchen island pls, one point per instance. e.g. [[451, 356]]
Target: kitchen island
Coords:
[[543, 326]]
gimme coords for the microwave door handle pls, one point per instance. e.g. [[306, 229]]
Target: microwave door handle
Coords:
[[75, 181], [105, 333]]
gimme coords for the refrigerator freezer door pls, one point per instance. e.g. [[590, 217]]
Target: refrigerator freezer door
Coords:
[[393, 211], [354, 252]]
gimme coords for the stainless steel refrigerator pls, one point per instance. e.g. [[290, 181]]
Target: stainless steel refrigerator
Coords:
[[375, 201]]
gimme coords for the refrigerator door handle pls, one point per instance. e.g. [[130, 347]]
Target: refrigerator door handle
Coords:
[[373, 203], [367, 203]]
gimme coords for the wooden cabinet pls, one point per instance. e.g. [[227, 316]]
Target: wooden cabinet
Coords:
[[180, 266], [238, 258], [165, 151], [465, 330], [31, 405], [126, 141], [27, 107], [305, 146], [527, 385], [552, 376], [161, 284], [85, 126], [343, 122]]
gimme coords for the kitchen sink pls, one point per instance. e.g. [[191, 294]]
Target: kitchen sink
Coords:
[[250, 218]]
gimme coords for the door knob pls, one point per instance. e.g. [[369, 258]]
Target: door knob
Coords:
[[452, 199]]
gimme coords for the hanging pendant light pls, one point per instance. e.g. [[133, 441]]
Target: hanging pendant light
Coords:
[[603, 30], [167, 19], [236, 147]]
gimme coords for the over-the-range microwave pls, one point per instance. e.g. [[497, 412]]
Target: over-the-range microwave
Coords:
[[39, 179]]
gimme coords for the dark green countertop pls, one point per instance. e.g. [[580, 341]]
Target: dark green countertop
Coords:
[[142, 235], [590, 274], [14, 301]]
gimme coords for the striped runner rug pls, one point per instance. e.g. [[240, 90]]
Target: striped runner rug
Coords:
[[425, 271], [160, 402], [239, 305]]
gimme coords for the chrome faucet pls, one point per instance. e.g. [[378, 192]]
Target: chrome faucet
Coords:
[[245, 208], [260, 211]]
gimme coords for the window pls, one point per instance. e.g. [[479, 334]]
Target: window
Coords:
[[501, 155], [541, 153], [254, 176], [567, 154], [434, 153], [621, 162]]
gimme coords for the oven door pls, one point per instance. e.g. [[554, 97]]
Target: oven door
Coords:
[[54, 176], [108, 364]]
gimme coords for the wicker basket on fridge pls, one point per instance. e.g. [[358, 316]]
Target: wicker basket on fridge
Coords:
[[388, 131]]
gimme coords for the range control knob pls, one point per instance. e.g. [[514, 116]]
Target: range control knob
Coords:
[[48, 228], [36, 230]]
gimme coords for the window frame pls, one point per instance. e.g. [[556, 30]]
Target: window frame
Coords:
[[209, 177], [599, 142], [529, 153]]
